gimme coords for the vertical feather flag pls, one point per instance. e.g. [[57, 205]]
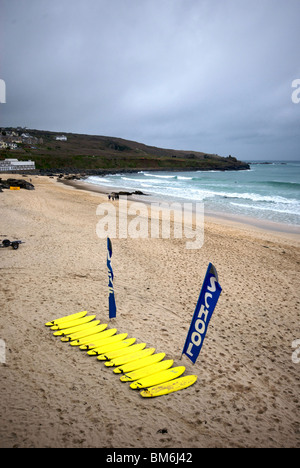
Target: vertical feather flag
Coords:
[[111, 297], [206, 304]]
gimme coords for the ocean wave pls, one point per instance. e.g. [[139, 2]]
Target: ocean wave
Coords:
[[257, 198], [131, 179], [159, 176], [96, 180], [175, 177], [278, 184], [202, 194], [211, 170], [164, 185], [275, 208]]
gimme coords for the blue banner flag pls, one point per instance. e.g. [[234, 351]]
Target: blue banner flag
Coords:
[[111, 298], [206, 304]]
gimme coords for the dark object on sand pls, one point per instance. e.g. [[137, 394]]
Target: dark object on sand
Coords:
[[13, 244], [23, 184]]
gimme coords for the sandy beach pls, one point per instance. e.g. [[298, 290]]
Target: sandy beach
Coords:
[[52, 395]]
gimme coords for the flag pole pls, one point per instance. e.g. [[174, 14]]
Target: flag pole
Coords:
[[111, 296]]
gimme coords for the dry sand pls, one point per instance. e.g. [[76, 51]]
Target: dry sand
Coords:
[[52, 395]]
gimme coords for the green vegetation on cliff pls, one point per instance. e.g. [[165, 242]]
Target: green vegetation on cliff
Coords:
[[91, 153]]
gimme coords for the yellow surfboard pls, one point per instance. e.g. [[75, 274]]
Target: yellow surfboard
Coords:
[[97, 340], [88, 331], [101, 349], [121, 352], [77, 328], [130, 357], [94, 334], [138, 364], [73, 323], [159, 378], [67, 318], [117, 346], [169, 387], [146, 371]]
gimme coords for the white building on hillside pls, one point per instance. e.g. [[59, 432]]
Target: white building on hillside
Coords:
[[9, 165], [61, 138]]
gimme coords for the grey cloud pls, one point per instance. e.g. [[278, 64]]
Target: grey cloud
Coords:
[[199, 75]]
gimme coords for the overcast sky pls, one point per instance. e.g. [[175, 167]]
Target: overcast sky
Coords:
[[206, 75]]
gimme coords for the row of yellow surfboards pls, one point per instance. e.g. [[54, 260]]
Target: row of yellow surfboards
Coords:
[[140, 366]]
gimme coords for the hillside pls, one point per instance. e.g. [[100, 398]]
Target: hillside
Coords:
[[101, 153]]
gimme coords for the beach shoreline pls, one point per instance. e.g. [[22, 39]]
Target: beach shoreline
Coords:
[[247, 393], [243, 222]]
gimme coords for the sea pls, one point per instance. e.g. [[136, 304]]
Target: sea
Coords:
[[268, 191]]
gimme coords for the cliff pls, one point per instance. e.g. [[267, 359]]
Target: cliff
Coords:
[[92, 153]]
